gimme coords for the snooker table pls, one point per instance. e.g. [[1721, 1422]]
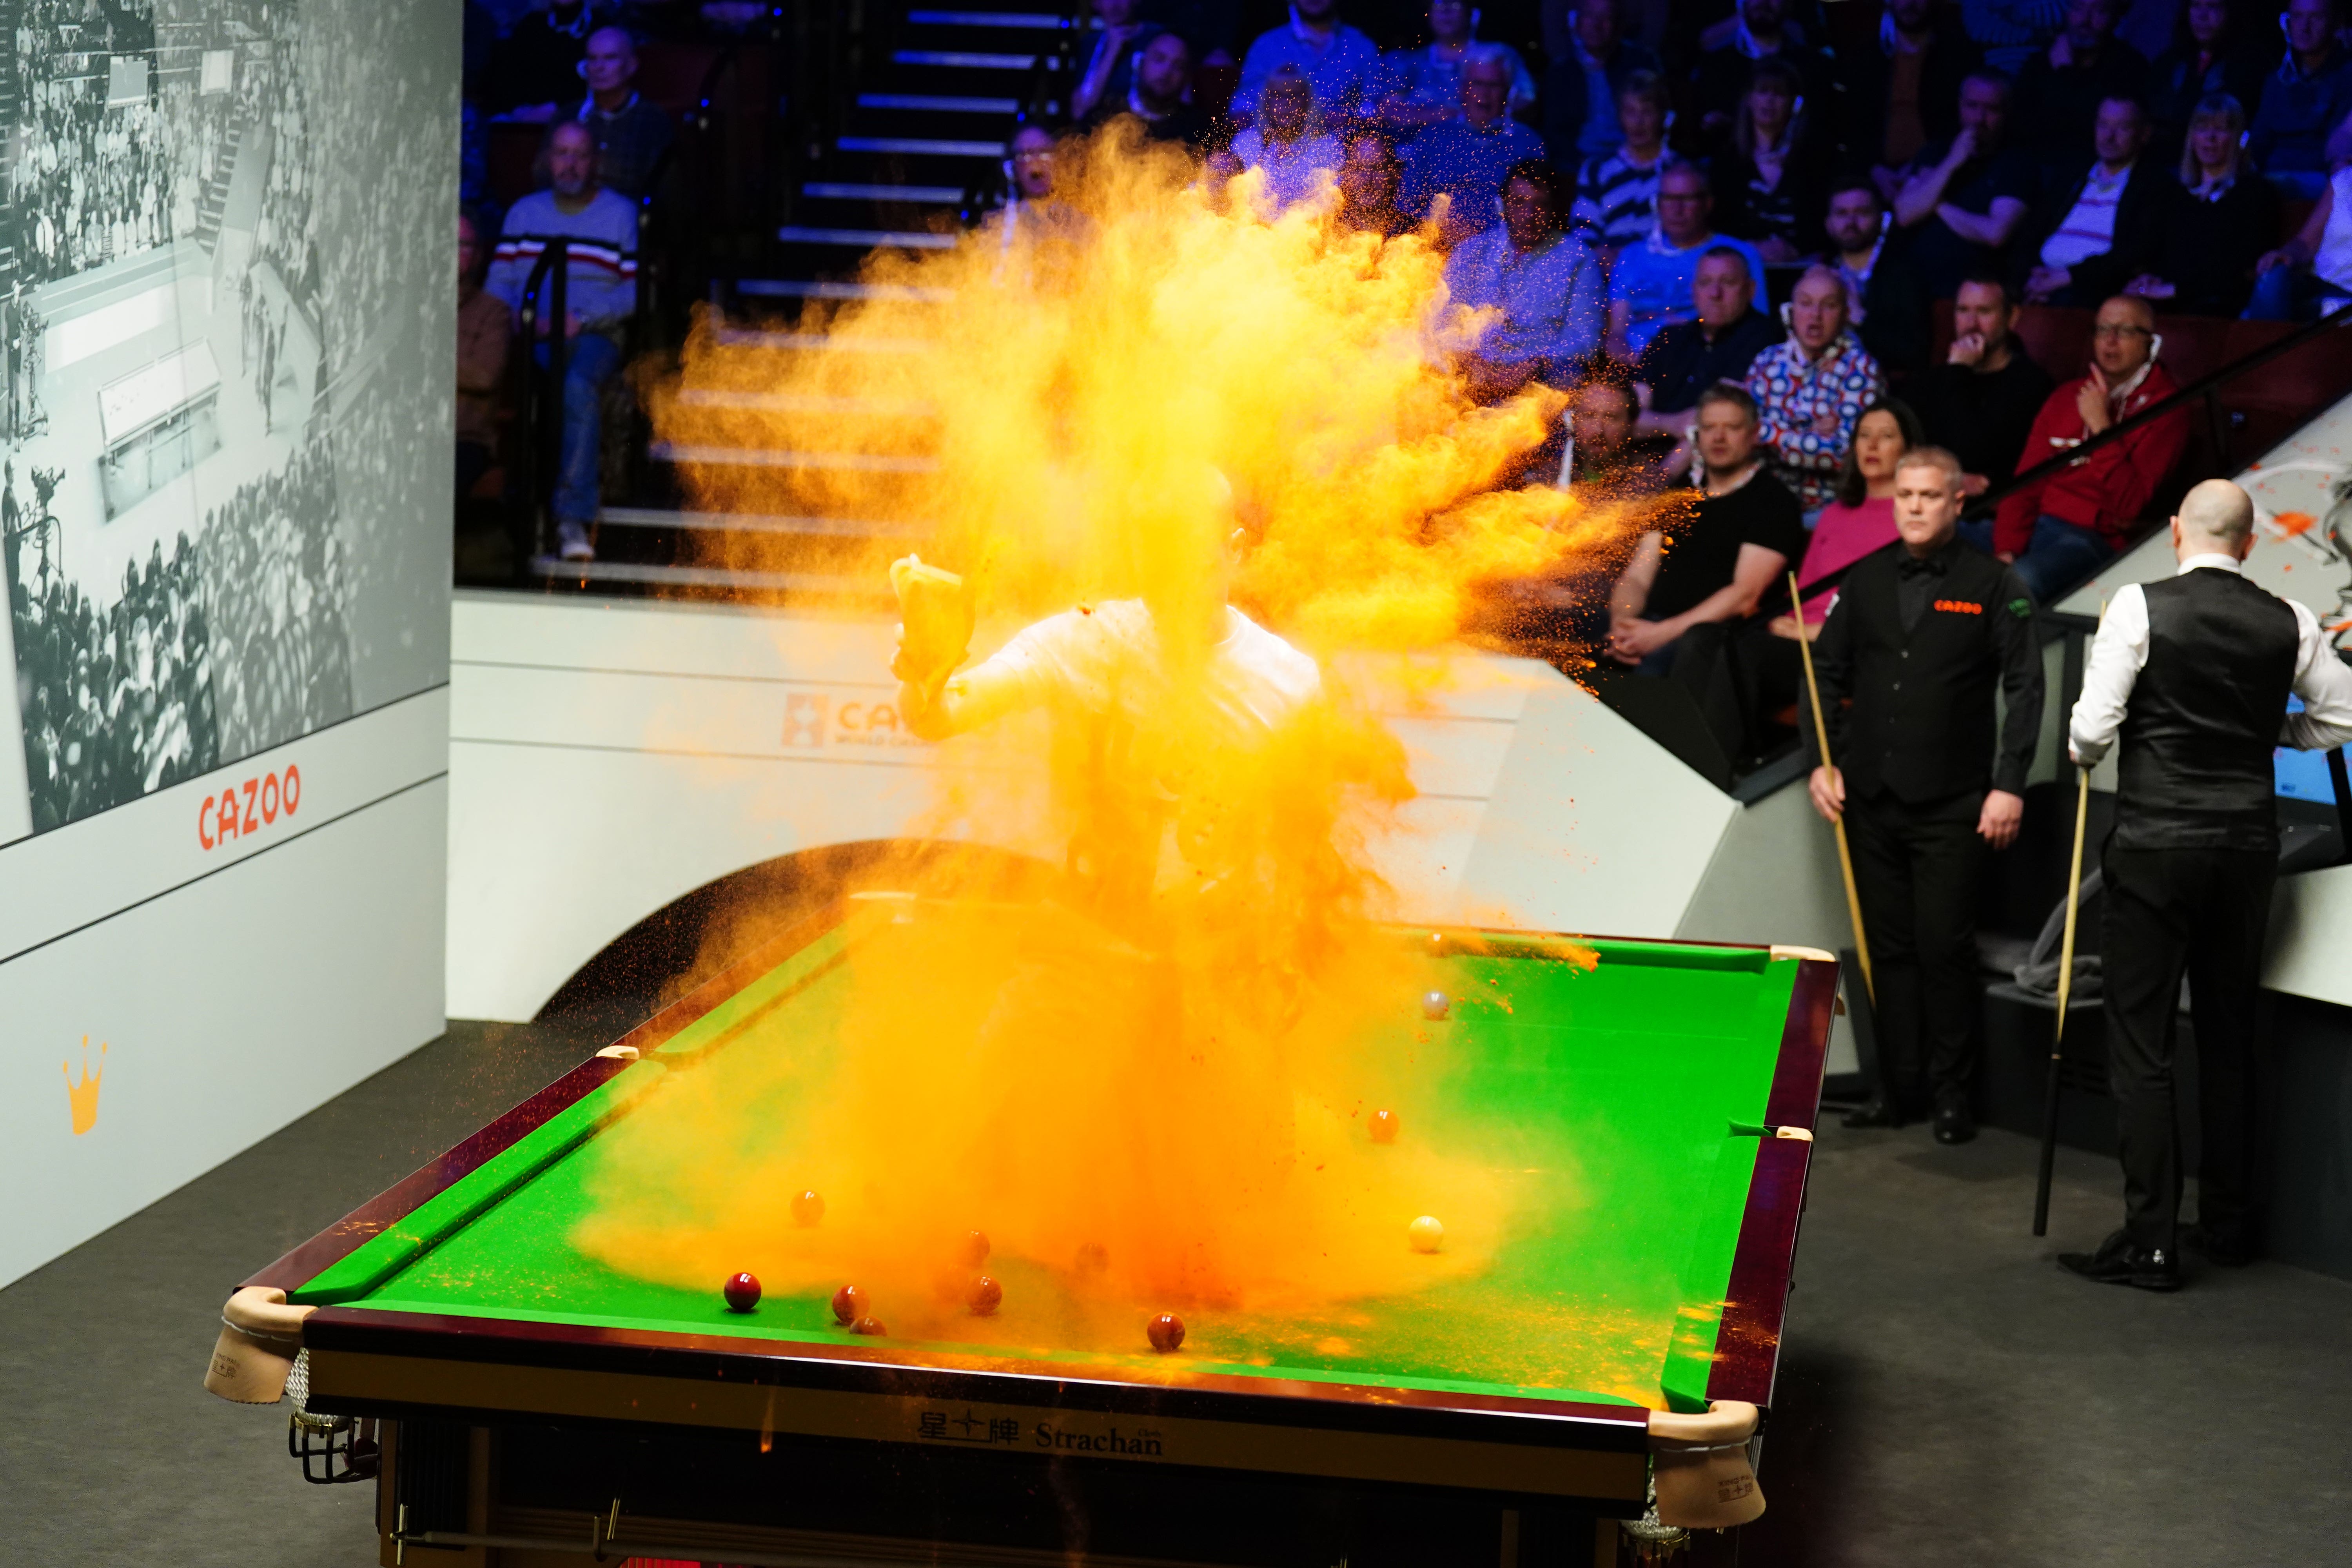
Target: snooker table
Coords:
[[534, 1404]]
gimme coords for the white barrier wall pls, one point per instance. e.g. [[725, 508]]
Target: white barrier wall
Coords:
[[225, 472], [607, 759]]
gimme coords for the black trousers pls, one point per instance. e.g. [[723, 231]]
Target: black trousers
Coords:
[[1915, 867], [2204, 912]]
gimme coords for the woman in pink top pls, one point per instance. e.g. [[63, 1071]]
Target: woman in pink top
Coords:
[[1861, 519]]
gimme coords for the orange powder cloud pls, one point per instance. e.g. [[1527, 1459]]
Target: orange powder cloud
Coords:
[[1164, 1074]]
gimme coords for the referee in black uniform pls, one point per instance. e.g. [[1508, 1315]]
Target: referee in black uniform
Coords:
[[1920, 635], [2190, 676]]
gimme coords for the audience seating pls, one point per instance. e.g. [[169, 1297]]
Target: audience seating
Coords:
[[2260, 409], [513, 159]]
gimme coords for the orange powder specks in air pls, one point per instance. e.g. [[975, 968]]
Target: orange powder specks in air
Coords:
[[1145, 1088]]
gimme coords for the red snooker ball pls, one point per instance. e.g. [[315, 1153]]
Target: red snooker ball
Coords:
[[848, 1304], [986, 1296], [742, 1292], [975, 1249], [1166, 1332], [808, 1208], [1384, 1126], [868, 1325]]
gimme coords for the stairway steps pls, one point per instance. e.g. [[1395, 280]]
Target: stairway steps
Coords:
[[1025, 21], [730, 579], [806, 403], [938, 103], [756, 523], [844, 191], [921, 146], [817, 343], [866, 239], [771, 457], [803, 288], [963, 59]]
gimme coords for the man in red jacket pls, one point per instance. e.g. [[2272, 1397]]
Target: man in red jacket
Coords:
[[2061, 529]]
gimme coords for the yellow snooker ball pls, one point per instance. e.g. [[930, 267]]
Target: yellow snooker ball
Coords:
[[1426, 1233]]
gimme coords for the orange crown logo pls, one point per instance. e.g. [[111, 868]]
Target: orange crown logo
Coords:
[[84, 1095]]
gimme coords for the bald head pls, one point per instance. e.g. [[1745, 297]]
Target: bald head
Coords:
[[608, 65], [2216, 518]]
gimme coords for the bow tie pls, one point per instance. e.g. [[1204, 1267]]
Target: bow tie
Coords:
[[1915, 566]]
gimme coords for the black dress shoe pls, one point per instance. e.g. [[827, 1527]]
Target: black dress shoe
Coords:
[[1877, 1112], [2118, 1262], [1954, 1124], [2220, 1247]]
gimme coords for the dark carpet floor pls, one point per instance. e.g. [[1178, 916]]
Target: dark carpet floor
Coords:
[[1948, 1396]]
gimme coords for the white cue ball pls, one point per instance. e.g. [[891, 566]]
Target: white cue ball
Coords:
[[1426, 1233]]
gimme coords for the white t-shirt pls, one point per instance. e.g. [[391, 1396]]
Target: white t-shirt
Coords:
[[1161, 822], [1103, 660]]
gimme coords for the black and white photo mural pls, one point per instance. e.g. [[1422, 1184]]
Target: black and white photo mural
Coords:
[[226, 305]]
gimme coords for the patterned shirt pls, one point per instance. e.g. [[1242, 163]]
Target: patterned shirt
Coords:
[[1616, 199], [1792, 391]]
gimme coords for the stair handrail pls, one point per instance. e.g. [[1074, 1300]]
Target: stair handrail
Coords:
[[545, 297]]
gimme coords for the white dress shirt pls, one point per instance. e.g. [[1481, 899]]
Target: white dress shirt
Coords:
[[2120, 652]]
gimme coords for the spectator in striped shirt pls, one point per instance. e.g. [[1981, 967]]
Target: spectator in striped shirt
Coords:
[[2104, 232], [1812, 389], [600, 233], [1616, 194]]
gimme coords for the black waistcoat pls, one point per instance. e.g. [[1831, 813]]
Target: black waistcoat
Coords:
[[1922, 727], [2193, 764]]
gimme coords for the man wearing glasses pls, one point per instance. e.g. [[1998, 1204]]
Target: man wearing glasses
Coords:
[[2064, 526]]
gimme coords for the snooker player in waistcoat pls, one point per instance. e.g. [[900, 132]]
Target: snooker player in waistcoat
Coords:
[[1929, 775], [2188, 679]]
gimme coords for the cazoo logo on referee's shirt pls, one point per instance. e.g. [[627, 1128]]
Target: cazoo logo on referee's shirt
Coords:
[[816, 718]]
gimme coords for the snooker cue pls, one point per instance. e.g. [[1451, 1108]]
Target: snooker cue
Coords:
[[2065, 989], [1821, 733]]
